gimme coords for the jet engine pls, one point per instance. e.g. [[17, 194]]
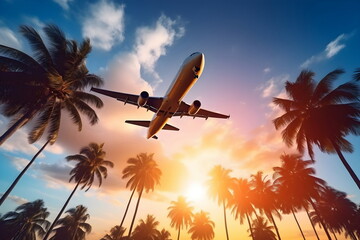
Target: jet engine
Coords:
[[194, 107], [143, 97]]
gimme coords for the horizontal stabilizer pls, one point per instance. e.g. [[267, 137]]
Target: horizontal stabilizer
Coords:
[[139, 123], [169, 127], [147, 124]]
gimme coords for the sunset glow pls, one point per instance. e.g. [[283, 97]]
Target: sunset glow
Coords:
[[196, 192]]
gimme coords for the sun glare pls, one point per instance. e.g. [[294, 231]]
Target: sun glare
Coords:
[[195, 192]]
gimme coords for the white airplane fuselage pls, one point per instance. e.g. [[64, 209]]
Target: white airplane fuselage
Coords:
[[188, 74]]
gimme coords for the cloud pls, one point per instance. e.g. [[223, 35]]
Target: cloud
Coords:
[[151, 42], [104, 24], [18, 200], [63, 3], [272, 87], [20, 163], [9, 38], [331, 49], [267, 70], [35, 21]]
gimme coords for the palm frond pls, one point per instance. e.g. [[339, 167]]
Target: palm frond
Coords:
[[89, 98], [286, 118], [22, 57], [58, 46], [87, 110], [291, 130], [42, 54], [54, 124], [42, 122], [325, 85], [349, 91], [284, 104], [356, 75], [74, 114], [13, 65]]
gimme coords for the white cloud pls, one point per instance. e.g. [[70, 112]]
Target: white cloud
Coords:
[[267, 70], [104, 24], [273, 85], [151, 43], [332, 48], [335, 46], [63, 3], [9, 38], [35, 21], [20, 163], [16, 199]]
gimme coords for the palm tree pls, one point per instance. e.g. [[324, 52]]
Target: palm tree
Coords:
[[242, 201], [180, 214], [163, 235], [54, 81], [292, 173], [318, 114], [90, 163], [73, 226], [264, 198], [144, 174], [336, 211], [220, 184], [202, 228], [26, 222], [146, 230], [116, 233], [262, 231]]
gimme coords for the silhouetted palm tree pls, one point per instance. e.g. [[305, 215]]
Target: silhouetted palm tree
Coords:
[[27, 222], [180, 214], [337, 211], [163, 235], [73, 226], [357, 74], [264, 198], [90, 164], [146, 230], [262, 231], [202, 228], [144, 174], [116, 233], [294, 172], [241, 201], [220, 184], [54, 81], [315, 113]]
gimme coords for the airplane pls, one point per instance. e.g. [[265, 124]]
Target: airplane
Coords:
[[171, 105]]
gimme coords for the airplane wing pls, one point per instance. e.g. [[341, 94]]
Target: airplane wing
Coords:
[[152, 104], [202, 113]]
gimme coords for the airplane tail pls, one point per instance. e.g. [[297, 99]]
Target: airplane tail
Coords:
[[147, 124]]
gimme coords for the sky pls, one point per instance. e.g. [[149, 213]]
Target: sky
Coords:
[[251, 49]]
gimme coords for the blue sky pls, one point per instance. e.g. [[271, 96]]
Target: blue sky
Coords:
[[251, 48]]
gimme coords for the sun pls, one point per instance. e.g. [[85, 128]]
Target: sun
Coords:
[[195, 192]]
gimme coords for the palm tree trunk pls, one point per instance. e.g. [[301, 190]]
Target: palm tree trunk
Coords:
[[251, 230], [320, 218], [61, 211], [226, 228], [302, 234], [346, 164], [6, 194], [276, 228], [136, 209], [312, 224], [18, 124], [127, 208], [178, 234]]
